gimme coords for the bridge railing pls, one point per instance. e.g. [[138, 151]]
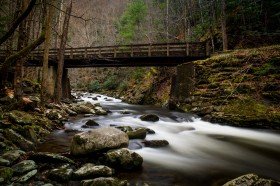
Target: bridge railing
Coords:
[[197, 49], [130, 51]]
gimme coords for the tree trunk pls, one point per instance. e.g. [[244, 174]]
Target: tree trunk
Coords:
[[167, 21], [58, 88], [224, 26], [46, 55], [22, 42]]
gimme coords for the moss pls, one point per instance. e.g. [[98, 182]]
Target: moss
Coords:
[[6, 174], [247, 107], [21, 117]]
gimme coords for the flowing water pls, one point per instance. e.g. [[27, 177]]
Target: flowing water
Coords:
[[199, 153]]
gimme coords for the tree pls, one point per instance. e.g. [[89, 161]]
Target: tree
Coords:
[[46, 54], [58, 87], [130, 21], [23, 47], [224, 25], [18, 21]]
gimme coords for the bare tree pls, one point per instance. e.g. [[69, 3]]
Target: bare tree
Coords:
[[46, 54], [58, 87], [224, 25]]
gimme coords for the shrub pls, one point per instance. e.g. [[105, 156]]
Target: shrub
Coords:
[[94, 86], [110, 83], [123, 86]]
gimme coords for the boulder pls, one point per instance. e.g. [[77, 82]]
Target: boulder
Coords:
[[50, 157], [100, 111], [104, 181], [125, 112], [19, 140], [60, 174], [123, 159], [89, 105], [90, 170], [125, 128], [6, 174], [57, 114], [149, 131], [83, 109], [27, 176], [155, 143], [4, 162], [21, 117], [24, 166], [13, 155], [91, 122], [251, 180], [71, 112], [29, 133], [98, 140], [137, 134], [149, 117]]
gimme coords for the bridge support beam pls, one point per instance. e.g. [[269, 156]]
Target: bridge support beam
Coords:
[[182, 85]]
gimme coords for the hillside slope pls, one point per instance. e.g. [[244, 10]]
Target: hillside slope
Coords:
[[240, 88]]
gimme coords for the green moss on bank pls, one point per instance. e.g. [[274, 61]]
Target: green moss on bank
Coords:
[[240, 88]]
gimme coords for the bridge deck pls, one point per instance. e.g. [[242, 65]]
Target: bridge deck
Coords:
[[167, 54]]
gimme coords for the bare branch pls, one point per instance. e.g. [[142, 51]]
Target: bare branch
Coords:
[[18, 21]]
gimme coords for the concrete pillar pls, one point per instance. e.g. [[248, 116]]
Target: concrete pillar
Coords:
[[182, 86]]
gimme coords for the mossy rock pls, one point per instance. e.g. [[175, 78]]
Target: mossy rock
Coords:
[[61, 174], [104, 182], [137, 134], [24, 118], [149, 117], [6, 174], [21, 117]]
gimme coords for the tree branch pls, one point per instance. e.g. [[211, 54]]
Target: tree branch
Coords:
[[25, 51], [18, 21]]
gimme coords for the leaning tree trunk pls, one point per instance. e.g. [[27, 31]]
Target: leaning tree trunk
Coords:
[[58, 87]]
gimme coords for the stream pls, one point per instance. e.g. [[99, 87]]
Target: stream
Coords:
[[199, 153]]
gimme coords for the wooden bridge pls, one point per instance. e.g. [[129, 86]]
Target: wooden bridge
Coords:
[[166, 54]]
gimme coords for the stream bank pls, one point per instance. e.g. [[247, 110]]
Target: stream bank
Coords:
[[239, 88]]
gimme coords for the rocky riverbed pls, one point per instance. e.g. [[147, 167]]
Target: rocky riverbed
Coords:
[[95, 158]]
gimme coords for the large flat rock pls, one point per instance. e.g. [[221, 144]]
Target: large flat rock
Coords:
[[98, 140]]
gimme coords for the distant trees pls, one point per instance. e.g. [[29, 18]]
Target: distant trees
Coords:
[[129, 22], [218, 21]]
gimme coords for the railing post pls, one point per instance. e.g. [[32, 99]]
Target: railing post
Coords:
[[150, 51], [131, 51], [187, 49], [207, 49], [71, 53], [115, 52], [86, 54], [167, 52]]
